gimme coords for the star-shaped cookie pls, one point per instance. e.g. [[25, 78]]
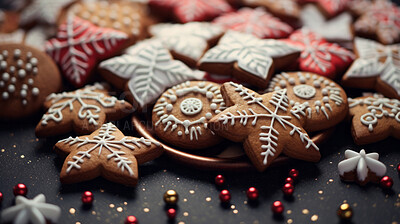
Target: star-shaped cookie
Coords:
[[286, 9], [146, 70], [248, 58], [80, 45], [329, 7], [264, 124], [82, 111], [254, 21], [374, 118], [107, 152], [45, 11], [377, 67]]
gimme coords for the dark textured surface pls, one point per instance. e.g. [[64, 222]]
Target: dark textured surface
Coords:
[[24, 159]]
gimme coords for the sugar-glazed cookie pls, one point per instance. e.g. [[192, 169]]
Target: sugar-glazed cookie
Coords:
[[377, 67], [248, 58], [320, 100], [107, 152], [27, 76], [361, 167], [82, 111], [374, 118], [265, 125], [285, 9], [181, 114]]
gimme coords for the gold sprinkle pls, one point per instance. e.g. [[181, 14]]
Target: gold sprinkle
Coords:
[[14, 146], [111, 205], [289, 212], [125, 203], [144, 189], [101, 190], [320, 192], [208, 198], [78, 223], [235, 211], [93, 212], [330, 180], [186, 214], [289, 221], [3, 150], [181, 222], [314, 218], [397, 204], [146, 209], [245, 202], [185, 200], [321, 198], [305, 211], [344, 201], [398, 195], [354, 204], [233, 206], [120, 209], [191, 191], [72, 211], [22, 156]]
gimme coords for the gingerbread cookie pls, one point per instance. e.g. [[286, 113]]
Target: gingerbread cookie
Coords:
[[24, 81], [248, 58], [146, 71], [125, 16], [320, 100], [377, 66], [187, 42], [81, 111], [185, 11], [318, 55], [265, 125], [381, 21], [254, 21], [361, 167], [107, 152], [374, 118], [43, 11], [8, 21], [80, 45], [286, 9], [35, 37], [330, 8], [181, 114]]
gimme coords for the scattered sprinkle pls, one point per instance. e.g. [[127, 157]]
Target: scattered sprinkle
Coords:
[[111, 205], [208, 198], [305, 211], [289, 212], [235, 211], [146, 209], [289, 221], [191, 191], [320, 192], [72, 211], [314, 218], [120, 209], [186, 214]]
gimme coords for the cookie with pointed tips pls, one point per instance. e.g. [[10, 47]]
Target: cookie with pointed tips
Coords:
[[265, 125], [107, 152]]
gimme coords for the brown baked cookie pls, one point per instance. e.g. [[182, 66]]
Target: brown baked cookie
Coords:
[[82, 111], [374, 118], [265, 125], [284, 9], [107, 152], [124, 16], [27, 76], [181, 114], [361, 167], [320, 100], [248, 58], [8, 21]]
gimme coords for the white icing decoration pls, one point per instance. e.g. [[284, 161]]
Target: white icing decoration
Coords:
[[378, 108], [304, 91], [5, 95], [6, 76], [191, 106], [377, 60], [35, 91], [105, 142], [42, 10], [269, 135], [13, 37], [34, 211], [151, 70], [361, 163], [252, 54], [66, 100]]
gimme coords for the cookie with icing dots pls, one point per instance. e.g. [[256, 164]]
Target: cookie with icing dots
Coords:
[[361, 167], [25, 74], [374, 118], [82, 111], [320, 100], [181, 114], [107, 152]]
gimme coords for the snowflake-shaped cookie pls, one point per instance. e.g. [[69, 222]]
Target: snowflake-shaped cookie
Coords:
[[321, 101], [45, 11], [247, 57], [35, 211], [79, 45], [254, 21], [82, 111], [318, 55], [282, 8], [146, 70], [361, 167], [381, 21], [374, 118], [265, 125], [329, 7], [181, 114], [192, 10], [107, 153], [377, 66], [187, 42]]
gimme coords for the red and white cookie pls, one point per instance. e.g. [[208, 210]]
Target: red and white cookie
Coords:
[[329, 7], [285, 9]]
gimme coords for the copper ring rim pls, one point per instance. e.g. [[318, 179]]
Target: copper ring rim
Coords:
[[212, 163]]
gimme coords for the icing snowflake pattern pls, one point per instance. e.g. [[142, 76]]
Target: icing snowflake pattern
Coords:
[[254, 21], [377, 60], [79, 44], [34, 211], [361, 163], [378, 108], [269, 135]]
